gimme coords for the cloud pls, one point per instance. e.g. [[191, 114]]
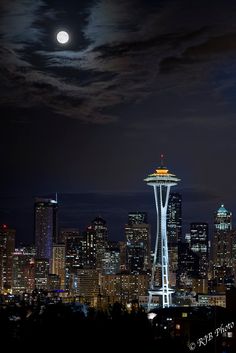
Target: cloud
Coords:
[[133, 51], [17, 22]]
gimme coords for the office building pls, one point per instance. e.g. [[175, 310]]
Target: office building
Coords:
[[23, 270], [59, 263], [174, 233], [138, 243], [7, 248], [111, 259], [199, 240], [45, 216], [75, 254], [124, 287], [96, 242], [41, 273], [222, 253]]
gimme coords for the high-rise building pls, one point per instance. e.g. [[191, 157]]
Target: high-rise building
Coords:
[[137, 218], [87, 284], [174, 218], [199, 240], [23, 270], [234, 255], [58, 263], [124, 287], [41, 273], [222, 220], [111, 259], [138, 240], [122, 247], [45, 223], [188, 267], [222, 247], [7, 248], [91, 248], [53, 282], [75, 252], [161, 181], [221, 242], [101, 236], [96, 243], [174, 233]]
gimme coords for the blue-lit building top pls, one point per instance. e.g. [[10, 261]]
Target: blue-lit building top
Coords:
[[223, 220]]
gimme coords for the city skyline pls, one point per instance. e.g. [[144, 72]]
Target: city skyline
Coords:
[[78, 209], [71, 214], [200, 270]]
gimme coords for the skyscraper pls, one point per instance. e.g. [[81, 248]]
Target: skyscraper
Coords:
[[161, 181], [174, 233], [96, 243], [7, 248], [199, 239], [222, 246], [137, 218], [87, 284], [124, 287], [138, 241], [188, 267], [45, 217], [111, 259], [174, 218], [99, 226], [23, 270], [222, 220], [59, 262], [41, 273], [75, 252]]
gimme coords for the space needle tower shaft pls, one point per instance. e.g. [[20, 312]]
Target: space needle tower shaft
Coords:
[[161, 181]]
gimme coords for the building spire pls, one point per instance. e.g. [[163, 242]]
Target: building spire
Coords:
[[162, 160]]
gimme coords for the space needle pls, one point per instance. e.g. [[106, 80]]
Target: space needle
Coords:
[[161, 180]]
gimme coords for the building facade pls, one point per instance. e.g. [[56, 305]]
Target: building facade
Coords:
[[138, 243], [59, 263], [45, 227], [199, 241], [7, 248], [222, 256]]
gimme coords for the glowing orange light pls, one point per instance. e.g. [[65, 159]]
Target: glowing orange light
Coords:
[[161, 171]]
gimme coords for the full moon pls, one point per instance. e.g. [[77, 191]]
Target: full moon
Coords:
[[63, 37]]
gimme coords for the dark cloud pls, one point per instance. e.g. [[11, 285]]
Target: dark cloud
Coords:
[[206, 51], [122, 58]]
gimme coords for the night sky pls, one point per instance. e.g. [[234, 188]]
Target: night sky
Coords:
[[90, 119]]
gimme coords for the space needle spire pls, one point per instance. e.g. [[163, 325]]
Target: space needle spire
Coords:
[[162, 160], [161, 181]]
